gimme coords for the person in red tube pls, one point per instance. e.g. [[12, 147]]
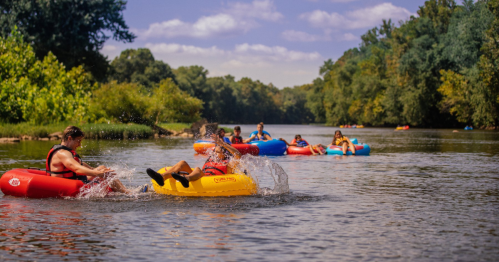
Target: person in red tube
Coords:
[[299, 142], [236, 138], [63, 161], [219, 164]]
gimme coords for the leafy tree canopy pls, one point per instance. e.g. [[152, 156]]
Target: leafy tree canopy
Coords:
[[139, 66], [73, 30]]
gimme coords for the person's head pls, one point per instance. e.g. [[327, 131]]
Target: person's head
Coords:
[[298, 138], [221, 152], [338, 134], [72, 137], [259, 127], [221, 132], [237, 130]]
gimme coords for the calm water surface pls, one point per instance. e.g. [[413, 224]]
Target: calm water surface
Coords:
[[422, 195]]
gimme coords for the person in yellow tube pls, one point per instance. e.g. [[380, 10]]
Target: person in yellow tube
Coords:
[[219, 164]]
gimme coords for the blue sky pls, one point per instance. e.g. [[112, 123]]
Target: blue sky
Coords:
[[283, 42]]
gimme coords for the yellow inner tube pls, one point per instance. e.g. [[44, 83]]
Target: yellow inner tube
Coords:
[[226, 185]]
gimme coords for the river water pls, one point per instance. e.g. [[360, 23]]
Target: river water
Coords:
[[422, 195]]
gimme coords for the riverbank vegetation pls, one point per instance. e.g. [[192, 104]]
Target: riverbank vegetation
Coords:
[[439, 69], [30, 131]]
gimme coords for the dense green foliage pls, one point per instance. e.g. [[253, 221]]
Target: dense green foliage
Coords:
[[74, 31], [132, 103], [434, 70], [139, 66], [39, 91], [244, 101]]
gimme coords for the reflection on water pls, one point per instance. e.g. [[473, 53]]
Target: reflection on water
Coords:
[[27, 232], [427, 195]]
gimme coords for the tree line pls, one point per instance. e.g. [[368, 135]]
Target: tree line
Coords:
[[436, 70]]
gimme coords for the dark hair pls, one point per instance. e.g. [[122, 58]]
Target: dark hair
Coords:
[[72, 131], [334, 137], [296, 136], [237, 128], [219, 131], [261, 123]]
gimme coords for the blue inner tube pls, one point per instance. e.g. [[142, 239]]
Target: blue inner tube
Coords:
[[360, 149], [270, 147], [254, 133]]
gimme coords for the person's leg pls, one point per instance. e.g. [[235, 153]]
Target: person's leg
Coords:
[[193, 176], [352, 148], [180, 166], [117, 186], [311, 150], [319, 148], [160, 178], [345, 147]]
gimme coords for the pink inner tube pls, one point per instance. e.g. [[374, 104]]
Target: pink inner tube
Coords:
[[295, 150]]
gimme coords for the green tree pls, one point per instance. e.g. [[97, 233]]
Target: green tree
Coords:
[[169, 104], [39, 91], [74, 31], [486, 99], [139, 66]]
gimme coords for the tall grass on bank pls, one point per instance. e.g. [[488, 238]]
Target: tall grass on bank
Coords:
[[117, 131], [26, 129], [174, 126], [94, 131]]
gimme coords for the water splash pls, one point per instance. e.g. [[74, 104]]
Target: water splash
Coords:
[[269, 176], [101, 189]]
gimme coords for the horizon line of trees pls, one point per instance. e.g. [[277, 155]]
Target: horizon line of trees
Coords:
[[440, 69]]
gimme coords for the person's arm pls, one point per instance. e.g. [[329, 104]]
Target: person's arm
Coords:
[[249, 139], [231, 149], [292, 144], [69, 162], [232, 139], [267, 136]]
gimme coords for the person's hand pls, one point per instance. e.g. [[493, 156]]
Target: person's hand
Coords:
[[105, 172]]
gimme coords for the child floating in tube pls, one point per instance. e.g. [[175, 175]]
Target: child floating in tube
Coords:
[[299, 142]]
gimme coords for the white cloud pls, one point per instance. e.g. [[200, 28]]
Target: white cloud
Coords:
[[276, 53], [237, 19], [109, 48], [164, 48], [245, 53], [299, 36], [264, 10], [342, 1], [361, 18], [204, 27], [349, 37], [235, 63]]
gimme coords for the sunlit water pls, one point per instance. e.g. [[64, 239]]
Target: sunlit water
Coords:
[[422, 195]]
